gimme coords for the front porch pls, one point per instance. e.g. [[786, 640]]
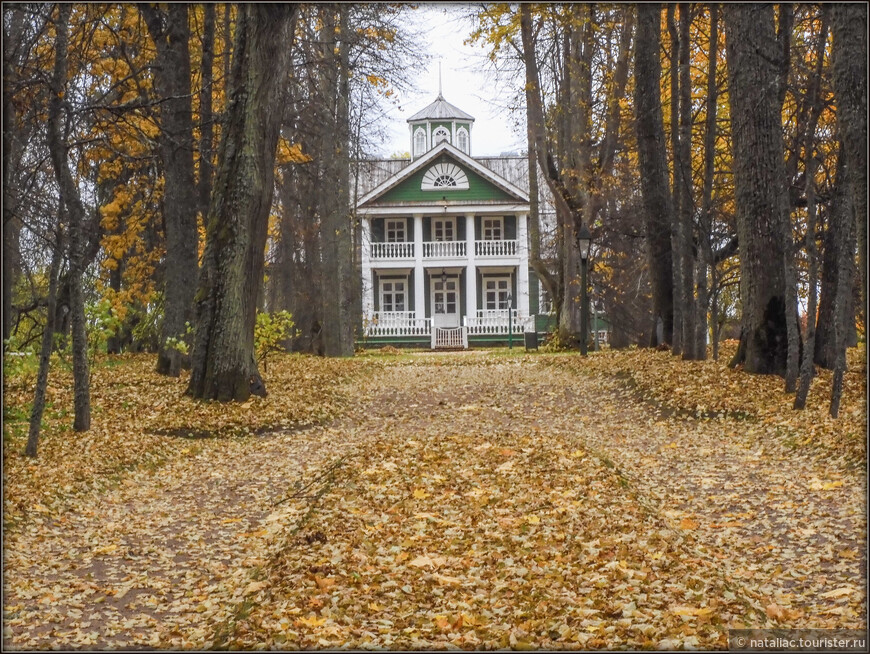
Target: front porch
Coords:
[[485, 326]]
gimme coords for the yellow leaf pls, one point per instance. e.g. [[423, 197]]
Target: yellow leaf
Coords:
[[324, 582], [533, 519], [839, 592], [422, 561], [312, 621], [420, 494], [106, 550], [688, 523], [254, 586]]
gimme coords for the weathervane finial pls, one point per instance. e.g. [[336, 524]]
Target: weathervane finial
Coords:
[[439, 77]]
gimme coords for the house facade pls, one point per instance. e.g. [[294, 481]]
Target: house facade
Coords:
[[444, 249]]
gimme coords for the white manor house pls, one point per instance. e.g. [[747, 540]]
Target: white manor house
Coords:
[[445, 249]]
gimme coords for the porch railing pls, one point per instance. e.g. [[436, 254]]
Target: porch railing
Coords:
[[398, 323], [495, 248], [496, 321], [443, 249], [401, 250]]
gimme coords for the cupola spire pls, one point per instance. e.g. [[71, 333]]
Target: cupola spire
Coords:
[[439, 79]]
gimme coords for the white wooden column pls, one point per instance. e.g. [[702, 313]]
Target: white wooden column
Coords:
[[368, 291], [471, 270], [419, 287], [523, 272]]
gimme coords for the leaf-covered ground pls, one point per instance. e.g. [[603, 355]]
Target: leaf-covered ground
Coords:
[[470, 500]]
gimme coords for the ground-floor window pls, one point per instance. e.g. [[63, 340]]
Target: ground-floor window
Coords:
[[545, 303], [444, 296], [393, 295], [496, 293]]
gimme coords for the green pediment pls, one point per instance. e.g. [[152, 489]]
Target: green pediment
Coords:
[[411, 190]]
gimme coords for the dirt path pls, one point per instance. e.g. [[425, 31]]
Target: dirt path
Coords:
[[482, 502]]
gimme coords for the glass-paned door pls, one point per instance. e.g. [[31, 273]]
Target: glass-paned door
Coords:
[[496, 293], [393, 295], [443, 229], [445, 303]]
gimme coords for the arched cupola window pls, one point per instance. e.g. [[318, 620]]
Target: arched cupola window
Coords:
[[444, 176], [419, 141], [441, 134], [462, 139]]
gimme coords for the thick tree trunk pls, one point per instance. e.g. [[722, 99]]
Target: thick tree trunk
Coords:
[[70, 199], [171, 35], [338, 319], [845, 235], [652, 157], [759, 177], [223, 363], [849, 29]]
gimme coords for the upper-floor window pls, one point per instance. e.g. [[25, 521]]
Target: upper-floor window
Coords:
[[444, 229], [440, 134], [419, 141], [493, 229], [462, 139], [395, 231]]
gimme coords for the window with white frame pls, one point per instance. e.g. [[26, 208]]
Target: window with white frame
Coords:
[[443, 229], [462, 139], [395, 231], [493, 229], [496, 293], [393, 295], [419, 141], [440, 134]]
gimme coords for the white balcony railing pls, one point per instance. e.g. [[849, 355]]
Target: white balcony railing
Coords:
[[497, 321], [398, 323], [495, 248], [443, 249], [404, 250]]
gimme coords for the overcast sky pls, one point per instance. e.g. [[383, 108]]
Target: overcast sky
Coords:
[[464, 85]]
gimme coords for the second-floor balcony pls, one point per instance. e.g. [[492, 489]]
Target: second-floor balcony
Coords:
[[396, 251]]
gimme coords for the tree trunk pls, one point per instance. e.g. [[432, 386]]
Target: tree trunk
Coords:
[[338, 320], [38, 407], [70, 199], [811, 165], [687, 201], [759, 177], [171, 35], [705, 227], [652, 157], [846, 245], [206, 113], [849, 29], [676, 189], [223, 362]]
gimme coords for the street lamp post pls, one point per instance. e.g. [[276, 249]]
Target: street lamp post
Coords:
[[584, 241]]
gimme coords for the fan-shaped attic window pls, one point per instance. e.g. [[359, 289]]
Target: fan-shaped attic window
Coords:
[[444, 176]]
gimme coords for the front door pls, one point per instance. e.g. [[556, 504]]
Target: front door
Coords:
[[445, 303]]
